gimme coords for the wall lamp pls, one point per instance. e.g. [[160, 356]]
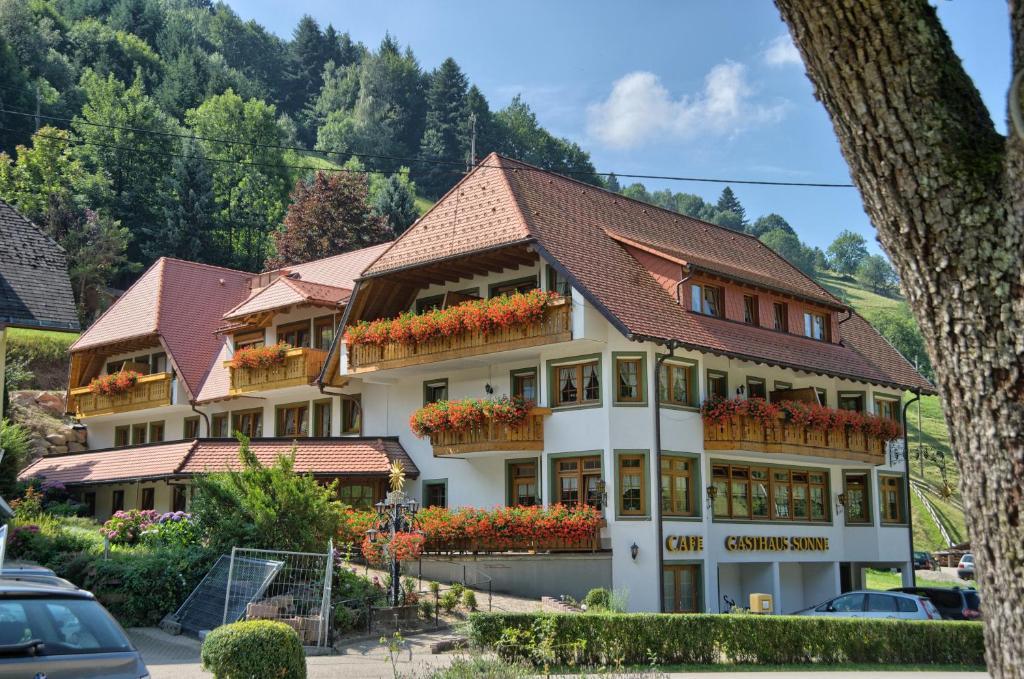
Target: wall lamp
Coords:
[[840, 502], [712, 492], [634, 550], [602, 492], [740, 390]]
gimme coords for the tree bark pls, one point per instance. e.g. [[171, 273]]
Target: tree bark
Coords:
[[944, 190]]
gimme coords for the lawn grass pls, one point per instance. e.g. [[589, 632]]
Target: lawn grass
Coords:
[[35, 334], [807, 667], [883, 580]]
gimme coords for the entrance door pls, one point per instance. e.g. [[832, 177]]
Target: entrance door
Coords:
[[845, 578], [681, 588]]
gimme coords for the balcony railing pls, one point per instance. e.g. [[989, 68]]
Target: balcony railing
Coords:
[[555, 327], [491, 435], [534, 544], [742, 432], [150, 391], [301, 366]]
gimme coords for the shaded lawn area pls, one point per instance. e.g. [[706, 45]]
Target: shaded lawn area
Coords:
[[877, 579]]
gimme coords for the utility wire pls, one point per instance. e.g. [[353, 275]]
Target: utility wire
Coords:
[[421, 161]]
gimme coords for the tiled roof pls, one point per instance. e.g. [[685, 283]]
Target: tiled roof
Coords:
[[218, 382], [328, 457], [106, 466], [285, 292], [34, 287], [180, 301], [575, 225], [339, 271]]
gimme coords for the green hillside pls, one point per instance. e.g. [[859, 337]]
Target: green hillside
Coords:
[[929, 442]]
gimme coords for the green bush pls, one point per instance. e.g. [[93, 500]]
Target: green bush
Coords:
[[426, 608], [632, 639], [435, 588], [14, 443], [254, 648], [458, 588], [448, 601], [469, 599], [598, 599]]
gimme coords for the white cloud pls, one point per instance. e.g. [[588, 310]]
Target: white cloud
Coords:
[[640, 109], [782, 52]]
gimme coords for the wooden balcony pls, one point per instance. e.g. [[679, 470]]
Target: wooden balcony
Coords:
[[301, 366], [532, 545], [556, 327], [746, 433], [491, 435], [151, 391]]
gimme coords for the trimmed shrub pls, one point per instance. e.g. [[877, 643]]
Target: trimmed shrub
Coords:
[[718, 639], [448, 601], [254, 648], [598, 599], [469, 599]]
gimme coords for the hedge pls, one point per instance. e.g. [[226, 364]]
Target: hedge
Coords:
[[634, 638], [254, 648]]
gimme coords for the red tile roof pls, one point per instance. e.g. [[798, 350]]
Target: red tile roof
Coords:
[[339, 271], [284, 292], [572, 224], [182, 303], [326, 457], [107, 466]]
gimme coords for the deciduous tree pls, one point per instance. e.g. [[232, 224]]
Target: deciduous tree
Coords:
[[846, 252]]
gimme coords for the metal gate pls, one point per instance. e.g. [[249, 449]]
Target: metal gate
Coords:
[[297, 594]]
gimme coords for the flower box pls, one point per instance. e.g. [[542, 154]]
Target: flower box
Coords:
[[115, 384]]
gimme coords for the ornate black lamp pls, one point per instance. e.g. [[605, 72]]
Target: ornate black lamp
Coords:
[[395, 514]]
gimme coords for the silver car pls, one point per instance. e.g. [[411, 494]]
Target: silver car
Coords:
[[55, 632], [872, 604]]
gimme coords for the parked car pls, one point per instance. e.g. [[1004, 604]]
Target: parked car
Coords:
[[37, 574], [872, 604], [61, 633], [953, 603], [965, 569], [924, 561]]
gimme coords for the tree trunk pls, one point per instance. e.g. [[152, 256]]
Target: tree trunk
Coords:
[[944, 190]]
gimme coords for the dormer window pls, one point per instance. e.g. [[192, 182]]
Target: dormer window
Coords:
[[707, 300], [750, 310], [816, 326], [780, 316]]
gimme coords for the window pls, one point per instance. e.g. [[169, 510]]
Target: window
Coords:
[[434, 391], [357, 494], [252, 338], [629, 379], [156, 432], [138, 433], [293, 420], [822, 395], [848, 603], [294, 334], [523, 482], [750, 311], [191, 428], [677, 486], [117, 501], [632, 489], [677, 384], [158, 363], [322, 418], [178, 498], [435, 494], [887, 408], [148, 501], [351, 414], [578, 479], [816, 326], [577, 384], [718, 384], [858, 508], [425, 304], [707, 300], [558, 283], [122, 436], [681, 587], [248, 422], [524, 384], [851, 401], [891, 498], [89, 499], [511, 287], [756, 388], [761, 493], [219, 426], [780, 316], [323, 332]]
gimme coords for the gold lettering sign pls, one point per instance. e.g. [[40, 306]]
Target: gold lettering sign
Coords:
[[765, 543], [684, 543]]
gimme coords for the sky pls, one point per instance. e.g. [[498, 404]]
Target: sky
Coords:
[[667, 87]]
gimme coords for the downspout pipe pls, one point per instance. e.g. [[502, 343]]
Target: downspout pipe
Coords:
[[672, 345], [906, 490], [206, 418], [345, 397]]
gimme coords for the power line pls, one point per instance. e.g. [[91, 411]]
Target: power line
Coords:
[[428, 161]]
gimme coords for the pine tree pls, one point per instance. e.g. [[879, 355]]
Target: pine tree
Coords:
[[307, 56], [728, 202], [189, 211], [443, 137], [395, 200], [612, 183]]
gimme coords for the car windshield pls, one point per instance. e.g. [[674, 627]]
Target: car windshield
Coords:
[[64, 626], [967, 558]]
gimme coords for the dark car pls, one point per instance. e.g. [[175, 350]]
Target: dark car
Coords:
[[61, 633], [923, 561], [953, 603]]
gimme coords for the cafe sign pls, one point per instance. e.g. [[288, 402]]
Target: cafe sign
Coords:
[[764, 543], [684, 543]]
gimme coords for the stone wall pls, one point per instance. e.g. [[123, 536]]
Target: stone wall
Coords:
[[51, 432]]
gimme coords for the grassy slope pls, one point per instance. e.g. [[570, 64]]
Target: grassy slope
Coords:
[[932, 432]]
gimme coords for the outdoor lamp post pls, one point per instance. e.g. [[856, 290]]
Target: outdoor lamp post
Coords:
[[395, 514]]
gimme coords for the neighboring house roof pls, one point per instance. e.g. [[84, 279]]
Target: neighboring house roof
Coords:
[[284, 292], [182, 303], [323, 457], [339, 271], [581, 229], [35, 290], [218, 383]]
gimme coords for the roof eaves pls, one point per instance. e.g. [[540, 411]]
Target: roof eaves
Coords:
[[438, 260]]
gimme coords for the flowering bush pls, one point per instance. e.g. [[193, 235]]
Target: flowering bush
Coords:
[[20, 537], [457, 416], [126, 527], [29, 504], [260, 357], [117, 383], [173, 529], [482, 315], [403, 546], [354, 525], [719, 411]]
